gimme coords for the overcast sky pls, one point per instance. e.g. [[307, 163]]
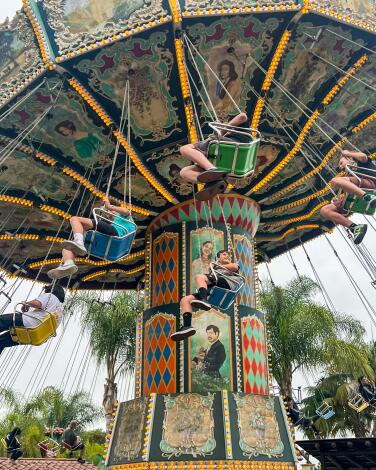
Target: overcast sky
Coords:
[[328, 267]]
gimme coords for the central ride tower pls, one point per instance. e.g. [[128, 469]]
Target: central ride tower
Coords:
[[203, 403]]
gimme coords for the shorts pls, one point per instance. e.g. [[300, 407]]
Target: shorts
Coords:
[[105, 227], [366, 183], [203, 147], [340, 207], [221, 282]]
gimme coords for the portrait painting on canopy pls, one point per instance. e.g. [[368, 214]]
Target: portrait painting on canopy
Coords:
[[205, 243], [169, 168], [228, 46], [210, 354]]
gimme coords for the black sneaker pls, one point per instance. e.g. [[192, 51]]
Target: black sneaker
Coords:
[[182, 333], [202, 304], [211, 190], [81, 461], [359, 232], [208, 176]]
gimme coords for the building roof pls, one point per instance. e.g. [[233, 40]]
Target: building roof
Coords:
[[45, 464], [346, 454]]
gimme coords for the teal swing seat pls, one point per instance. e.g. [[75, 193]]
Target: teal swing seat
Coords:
[[109, 247], [237, 159], [357, 204]]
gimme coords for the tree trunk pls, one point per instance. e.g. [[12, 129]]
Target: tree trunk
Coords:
[[110, 391], [285, 382], [109, 400]]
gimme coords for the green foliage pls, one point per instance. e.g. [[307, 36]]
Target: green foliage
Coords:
[[307, 336], [336, 389], [111, 328], [49, 408], [202, 382]]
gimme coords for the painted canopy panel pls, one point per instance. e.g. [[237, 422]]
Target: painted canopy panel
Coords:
[[62, 167], [77, 22]]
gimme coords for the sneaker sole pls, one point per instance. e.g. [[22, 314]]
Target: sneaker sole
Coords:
[[200, 306], [210, 176], [209, 193], [59, 274], [68, 245], [180, 336]]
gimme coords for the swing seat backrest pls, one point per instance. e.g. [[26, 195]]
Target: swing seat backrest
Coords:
[[358, 403], [37, 335], [238, 159], [357, 204], [325, 414]]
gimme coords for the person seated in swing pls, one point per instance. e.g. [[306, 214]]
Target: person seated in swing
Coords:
[[33, 313], [202, 170], [14, 451], [335, 212], [119, 227], [204, 283], [72, 441], [296, 418], [367, 390]]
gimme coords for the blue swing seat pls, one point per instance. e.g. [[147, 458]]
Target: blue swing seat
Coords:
[[223, 298], [109, 247], [325, 411]]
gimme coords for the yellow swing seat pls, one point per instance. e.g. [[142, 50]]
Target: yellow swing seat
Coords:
[[37, 335], [358, 403]]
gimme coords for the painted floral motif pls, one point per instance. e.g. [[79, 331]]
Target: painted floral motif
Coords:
[[188, 425], [147, 64], [258, 426]]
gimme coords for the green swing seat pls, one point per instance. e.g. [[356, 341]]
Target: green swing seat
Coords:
[[238, 159], [357, 204], [354, 203]]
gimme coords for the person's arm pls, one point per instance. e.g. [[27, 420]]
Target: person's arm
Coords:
[[31, 303], [357, 156], [119, 209], [236, 121], [230, 266]]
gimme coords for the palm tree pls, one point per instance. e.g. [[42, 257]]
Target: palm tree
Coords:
[[336, 389], [306, 336], [57, 410], [111, 327]]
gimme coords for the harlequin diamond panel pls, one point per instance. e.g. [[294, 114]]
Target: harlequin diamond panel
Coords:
[[244, 253], [159, 355], [165, 262], [254, 354]]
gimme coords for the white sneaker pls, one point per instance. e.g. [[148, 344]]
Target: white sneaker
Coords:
[[76, 247], [64, 270]]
